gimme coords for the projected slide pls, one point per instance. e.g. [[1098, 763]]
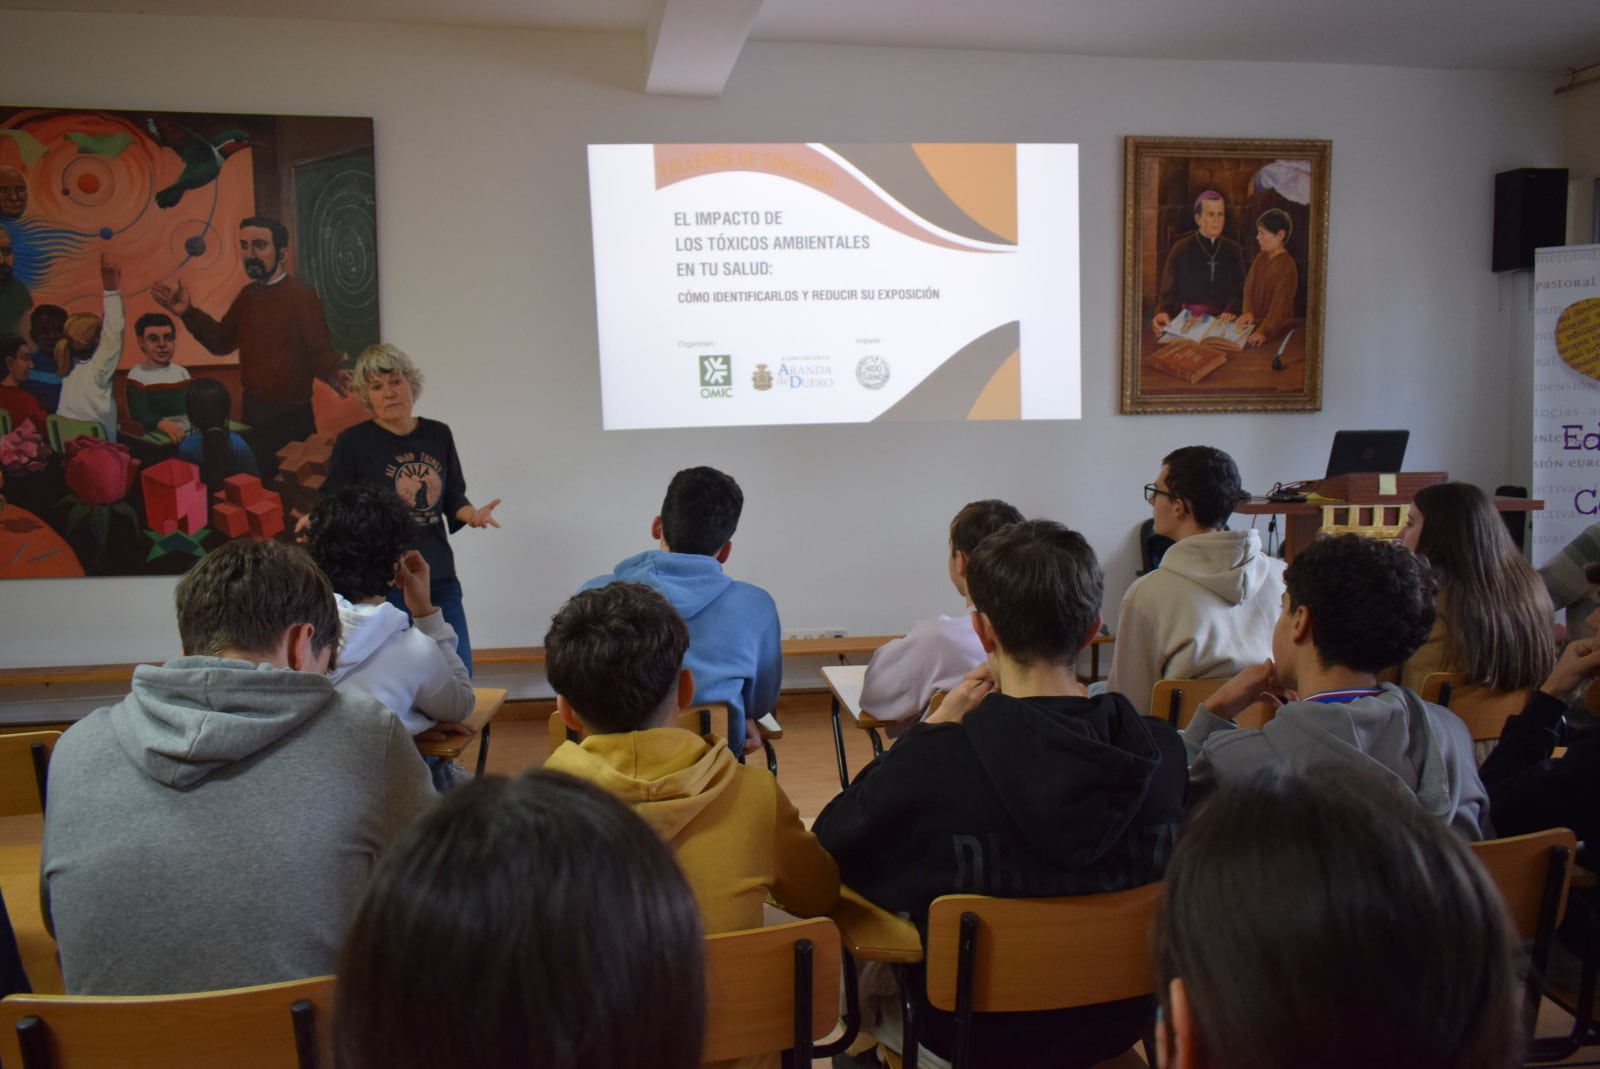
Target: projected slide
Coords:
[[764, 284]]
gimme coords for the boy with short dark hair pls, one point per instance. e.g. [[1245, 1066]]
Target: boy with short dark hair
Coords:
[[156, 387], [615, 656], [359, 536], [1353, 607], [1020, 785], [902, 675], [735, 641], [217, 826]]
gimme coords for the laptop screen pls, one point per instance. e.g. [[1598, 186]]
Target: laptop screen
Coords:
[[1367, 451]]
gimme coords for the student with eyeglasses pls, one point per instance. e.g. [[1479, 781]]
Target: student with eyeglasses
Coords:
[[1209, 608]]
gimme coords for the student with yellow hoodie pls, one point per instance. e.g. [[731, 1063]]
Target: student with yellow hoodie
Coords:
[[615, 658]]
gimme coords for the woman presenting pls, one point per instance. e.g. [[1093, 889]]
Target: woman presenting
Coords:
[[416, 458]]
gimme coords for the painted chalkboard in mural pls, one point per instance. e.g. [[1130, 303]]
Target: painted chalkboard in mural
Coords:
[[181, 296]]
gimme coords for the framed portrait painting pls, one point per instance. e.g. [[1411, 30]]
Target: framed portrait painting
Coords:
[[1224, 270]]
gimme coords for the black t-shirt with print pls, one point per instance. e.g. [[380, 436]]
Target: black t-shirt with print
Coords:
[[421, 467]]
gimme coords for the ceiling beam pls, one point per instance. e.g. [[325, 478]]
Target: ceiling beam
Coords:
[[694, 44]]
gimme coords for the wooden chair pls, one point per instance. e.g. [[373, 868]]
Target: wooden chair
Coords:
[[489, 701], [774, 989], [700, 719], [992, 955], [24, 771], [1177, 699], [1485, 711], [1533, 873], [872, 933], [271, 1026]]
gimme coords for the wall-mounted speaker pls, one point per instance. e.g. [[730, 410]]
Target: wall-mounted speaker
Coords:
[[1530, 212]]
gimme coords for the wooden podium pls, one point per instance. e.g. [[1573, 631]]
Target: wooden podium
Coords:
[[1369, 503]]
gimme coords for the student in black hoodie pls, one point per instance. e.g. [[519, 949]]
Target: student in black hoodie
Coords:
[[1019, 786]]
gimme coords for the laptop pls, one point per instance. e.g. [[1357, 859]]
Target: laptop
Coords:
[[1366, 451]]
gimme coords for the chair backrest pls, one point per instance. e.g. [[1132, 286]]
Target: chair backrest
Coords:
[[271, 1026], [1040, 953], [1152, 547], [761, 982], [1434, 687], [1256, 714], [1485, 711], [1532, 872], [24, 764], [1177, 699], [700, 719], [60, 430]]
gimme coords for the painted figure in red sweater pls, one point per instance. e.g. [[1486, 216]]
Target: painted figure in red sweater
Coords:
[[277, 325]]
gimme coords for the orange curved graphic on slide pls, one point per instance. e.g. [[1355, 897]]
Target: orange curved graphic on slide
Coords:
[[798, 163], [1002, 394], [980, 179]]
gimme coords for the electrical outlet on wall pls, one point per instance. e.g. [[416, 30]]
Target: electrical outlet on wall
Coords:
[[802, 634]]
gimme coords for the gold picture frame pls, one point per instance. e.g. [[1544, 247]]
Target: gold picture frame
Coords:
[[1205, 326]]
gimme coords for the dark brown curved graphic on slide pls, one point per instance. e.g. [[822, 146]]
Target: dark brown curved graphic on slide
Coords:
[[804, 164], [955, 386]]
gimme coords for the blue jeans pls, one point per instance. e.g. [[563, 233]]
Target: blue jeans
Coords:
[[446, 595]]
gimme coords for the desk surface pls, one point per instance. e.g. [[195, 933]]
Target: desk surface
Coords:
[[846, 680], [490, 699], [1260, 506]]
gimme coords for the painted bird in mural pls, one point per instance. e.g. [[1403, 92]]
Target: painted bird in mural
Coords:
[[202, 159]]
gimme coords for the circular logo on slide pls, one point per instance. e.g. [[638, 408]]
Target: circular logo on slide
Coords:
[[872, 372]]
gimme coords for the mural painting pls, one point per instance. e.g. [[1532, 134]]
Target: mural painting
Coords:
[[181, 297]]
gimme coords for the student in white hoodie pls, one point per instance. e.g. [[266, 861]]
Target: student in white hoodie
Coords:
[[1210, 607], [358, 535]]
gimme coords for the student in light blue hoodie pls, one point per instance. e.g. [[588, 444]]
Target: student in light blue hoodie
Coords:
[[735, 641]]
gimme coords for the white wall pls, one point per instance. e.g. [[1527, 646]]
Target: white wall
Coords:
[[486, 277], [1580, 113]]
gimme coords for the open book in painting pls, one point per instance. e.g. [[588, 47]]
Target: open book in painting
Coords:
[[1205, 330]]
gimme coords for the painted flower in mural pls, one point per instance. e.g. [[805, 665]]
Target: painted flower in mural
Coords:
[[99, 472], [23, 451]]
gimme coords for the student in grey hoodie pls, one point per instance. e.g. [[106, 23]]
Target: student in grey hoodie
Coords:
[[217, 826], [1353, 607]]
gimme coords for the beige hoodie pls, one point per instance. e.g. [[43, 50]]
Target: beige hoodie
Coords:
[[737, 836], [1208, 611]]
